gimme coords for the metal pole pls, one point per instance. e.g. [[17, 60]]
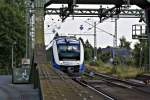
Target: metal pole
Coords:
[[12, 52], [115, 37], [147, 15], [12, 56], [27, 28], [31, 29], [33, 25], [95, 45]]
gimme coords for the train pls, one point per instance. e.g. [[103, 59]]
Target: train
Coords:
[[68, 55]]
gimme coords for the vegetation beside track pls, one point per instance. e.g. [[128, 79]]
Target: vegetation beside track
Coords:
[[120, 71]]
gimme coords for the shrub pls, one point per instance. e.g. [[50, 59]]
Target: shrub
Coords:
[[126, 71], [96, 63]]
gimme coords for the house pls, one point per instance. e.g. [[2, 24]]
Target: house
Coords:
[[117, 52]]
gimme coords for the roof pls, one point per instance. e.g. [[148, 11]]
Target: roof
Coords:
[[118, 51]]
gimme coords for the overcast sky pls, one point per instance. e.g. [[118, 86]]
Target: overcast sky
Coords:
[[72, 26]]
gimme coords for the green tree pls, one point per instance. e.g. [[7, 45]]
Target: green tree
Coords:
[[141, 53], [99, 52], [124, 43], [12, 29], [88, 51], [105, 56], [87, 44]]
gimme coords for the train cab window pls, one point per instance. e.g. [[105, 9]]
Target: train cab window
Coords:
[[69, 52]]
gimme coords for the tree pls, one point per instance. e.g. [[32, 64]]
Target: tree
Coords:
[[88, 51], [87, 44], [105, 56], [12, 29], [99, 52], [141, 53], [124, 43]]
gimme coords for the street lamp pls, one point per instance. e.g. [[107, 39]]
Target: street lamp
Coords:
[[12, 52]]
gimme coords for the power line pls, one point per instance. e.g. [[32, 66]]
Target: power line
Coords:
[[99, 28], [95, 42]]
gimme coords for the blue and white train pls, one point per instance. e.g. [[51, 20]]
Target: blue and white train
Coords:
[[68, 54]]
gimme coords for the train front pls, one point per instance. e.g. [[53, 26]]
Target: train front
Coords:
[[68, 55]]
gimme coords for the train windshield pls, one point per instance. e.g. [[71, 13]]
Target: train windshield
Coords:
[[69, 52]]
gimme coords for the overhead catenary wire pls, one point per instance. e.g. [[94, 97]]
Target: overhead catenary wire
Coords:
[[99, 28]]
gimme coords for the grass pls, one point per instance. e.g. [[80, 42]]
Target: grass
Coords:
[[121, 71], [102, 68], [127, 71]]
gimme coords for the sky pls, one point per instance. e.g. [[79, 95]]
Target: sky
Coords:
[[71, 25]]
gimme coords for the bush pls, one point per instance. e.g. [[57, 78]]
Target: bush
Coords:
[[105, 56], [121, 71], [126, 71], [117, 60], [96, 63], [129, 61]]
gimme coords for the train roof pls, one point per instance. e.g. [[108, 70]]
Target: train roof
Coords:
[[67, 40]]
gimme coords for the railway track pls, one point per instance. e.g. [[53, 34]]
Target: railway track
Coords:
[[145, 78], [100, 92], [111, 78], [115, 88], [119, 82], [128, 83]]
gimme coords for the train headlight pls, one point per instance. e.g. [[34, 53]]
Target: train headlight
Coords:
[[61, 62]]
